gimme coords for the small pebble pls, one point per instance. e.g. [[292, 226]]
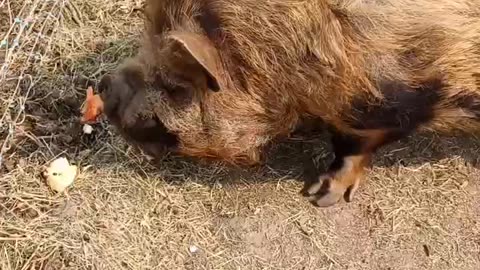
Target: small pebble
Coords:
[[193, 249], [87, 129]]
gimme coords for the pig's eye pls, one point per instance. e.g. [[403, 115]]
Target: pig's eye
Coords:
[[178, 89], [180, 94]]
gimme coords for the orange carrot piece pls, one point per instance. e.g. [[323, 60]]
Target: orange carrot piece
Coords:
[[93, 107]]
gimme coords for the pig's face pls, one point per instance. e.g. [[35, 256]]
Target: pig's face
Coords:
[[176, 96]]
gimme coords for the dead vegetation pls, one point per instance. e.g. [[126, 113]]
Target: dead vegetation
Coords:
[[419, 209]]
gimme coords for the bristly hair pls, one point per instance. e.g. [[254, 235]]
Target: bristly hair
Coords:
[[284, 60]]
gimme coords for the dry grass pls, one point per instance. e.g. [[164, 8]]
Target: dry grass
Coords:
[[419, 209]]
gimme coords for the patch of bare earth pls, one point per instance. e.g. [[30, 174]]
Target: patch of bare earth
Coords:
[[419, 208]]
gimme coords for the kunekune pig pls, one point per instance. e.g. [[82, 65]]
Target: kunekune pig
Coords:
[[222, 78]]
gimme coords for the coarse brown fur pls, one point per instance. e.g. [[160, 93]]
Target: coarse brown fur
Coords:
[[225, 77]]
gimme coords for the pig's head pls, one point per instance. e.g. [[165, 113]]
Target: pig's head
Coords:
[[177, 95]]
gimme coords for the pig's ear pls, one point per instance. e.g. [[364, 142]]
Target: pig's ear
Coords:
[[205, 53]]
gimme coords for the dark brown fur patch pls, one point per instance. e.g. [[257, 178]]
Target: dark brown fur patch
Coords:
[[402, 108], [210, 22]]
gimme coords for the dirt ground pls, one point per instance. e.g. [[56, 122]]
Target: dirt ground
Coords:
[[419, 209]]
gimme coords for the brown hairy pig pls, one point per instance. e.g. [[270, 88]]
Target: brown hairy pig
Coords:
[[222, 78]]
